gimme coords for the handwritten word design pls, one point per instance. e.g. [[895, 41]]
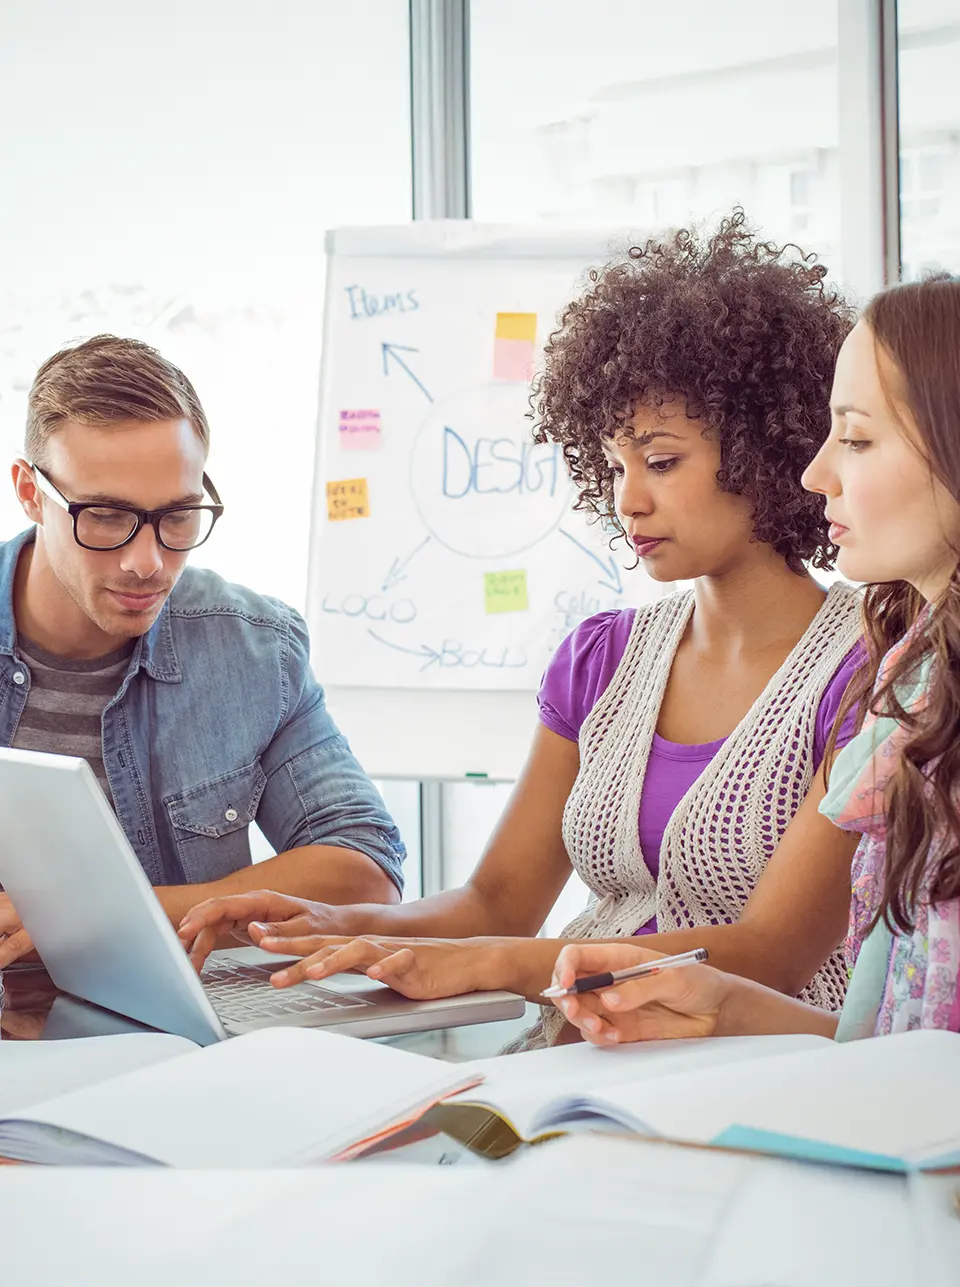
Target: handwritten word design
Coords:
[[498, 466]]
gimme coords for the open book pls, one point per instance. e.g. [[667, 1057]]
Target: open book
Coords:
[[276, 1097], [886, 1103], [292, 1096]]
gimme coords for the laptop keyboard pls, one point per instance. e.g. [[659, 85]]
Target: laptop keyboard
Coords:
[[243, 994]]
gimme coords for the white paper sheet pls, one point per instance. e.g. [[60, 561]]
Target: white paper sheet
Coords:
[[31, 1071]]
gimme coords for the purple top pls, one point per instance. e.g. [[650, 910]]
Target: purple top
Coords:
[[577, 677]]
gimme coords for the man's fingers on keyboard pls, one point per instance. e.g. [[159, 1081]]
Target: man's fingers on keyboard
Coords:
[[14, 946], [203, 945], [241, 908]]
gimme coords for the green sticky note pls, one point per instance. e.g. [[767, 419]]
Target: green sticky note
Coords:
[[505, 591]]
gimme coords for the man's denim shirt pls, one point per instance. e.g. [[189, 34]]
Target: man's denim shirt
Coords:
[[218, 721]]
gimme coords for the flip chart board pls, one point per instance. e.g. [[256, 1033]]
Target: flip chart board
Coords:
[[446, 557]]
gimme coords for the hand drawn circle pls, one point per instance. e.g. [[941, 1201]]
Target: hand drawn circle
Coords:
[[481, 485]]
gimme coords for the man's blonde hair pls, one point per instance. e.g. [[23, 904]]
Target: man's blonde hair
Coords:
[[104, 380]]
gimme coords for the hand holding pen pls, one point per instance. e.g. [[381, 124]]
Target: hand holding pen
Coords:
[[599, 982], [617, 992]]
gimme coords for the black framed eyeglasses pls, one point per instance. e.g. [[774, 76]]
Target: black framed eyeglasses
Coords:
[[109, 527]]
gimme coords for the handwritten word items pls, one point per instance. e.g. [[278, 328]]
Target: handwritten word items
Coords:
[[513, 345], [505, 592], [347, 498], [365, 304], [360, 430]]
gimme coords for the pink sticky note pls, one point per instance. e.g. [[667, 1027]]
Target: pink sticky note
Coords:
[[360, 430], [513, 360]]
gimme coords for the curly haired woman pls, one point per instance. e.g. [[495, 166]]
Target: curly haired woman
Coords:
[[678, 755], [890, 475]]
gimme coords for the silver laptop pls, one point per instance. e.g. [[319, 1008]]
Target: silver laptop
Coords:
[[89, 908]]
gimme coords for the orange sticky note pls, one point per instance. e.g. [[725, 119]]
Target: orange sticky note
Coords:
[[516, 326], [347, 498]]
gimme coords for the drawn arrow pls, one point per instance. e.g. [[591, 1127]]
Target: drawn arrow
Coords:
[[396, 573], [394, 351], [429, 656], [608, 566]]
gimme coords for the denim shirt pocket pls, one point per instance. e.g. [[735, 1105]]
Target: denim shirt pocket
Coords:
[[210, 822]]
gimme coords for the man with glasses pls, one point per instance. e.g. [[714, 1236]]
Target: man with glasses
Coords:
[[191, 699]]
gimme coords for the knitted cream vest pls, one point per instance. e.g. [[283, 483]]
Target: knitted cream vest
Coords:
[[724, 830]]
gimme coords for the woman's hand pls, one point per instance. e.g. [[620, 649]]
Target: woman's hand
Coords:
[[685, 1002], [250, 917], [419, 968]]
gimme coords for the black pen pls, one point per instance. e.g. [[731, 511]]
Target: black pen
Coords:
[[597, 982]]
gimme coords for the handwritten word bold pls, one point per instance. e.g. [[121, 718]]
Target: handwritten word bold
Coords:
[[452, 654]]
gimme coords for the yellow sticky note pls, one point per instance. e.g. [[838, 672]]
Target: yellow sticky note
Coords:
[[516, 326], [347, 499], [505, 591]]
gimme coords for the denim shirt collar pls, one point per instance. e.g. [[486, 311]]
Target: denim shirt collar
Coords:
[[154, 651]]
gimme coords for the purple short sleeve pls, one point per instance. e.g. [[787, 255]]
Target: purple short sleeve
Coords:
[[830, 705], [580, 670]]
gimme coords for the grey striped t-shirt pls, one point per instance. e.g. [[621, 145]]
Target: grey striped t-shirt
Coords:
[[66, 701]]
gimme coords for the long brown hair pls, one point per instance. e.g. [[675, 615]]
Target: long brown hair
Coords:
[[918, 325]]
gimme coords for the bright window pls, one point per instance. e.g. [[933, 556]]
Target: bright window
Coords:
[[638, 114], [929, 59], [169, 172]]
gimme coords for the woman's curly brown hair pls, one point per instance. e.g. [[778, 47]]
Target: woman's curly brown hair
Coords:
[[746, 334]]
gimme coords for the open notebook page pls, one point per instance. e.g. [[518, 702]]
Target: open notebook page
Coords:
[[280, 1096], [518, 1087], [32, 1071], [882, 1099]]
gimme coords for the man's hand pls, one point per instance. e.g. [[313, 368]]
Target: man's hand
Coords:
[[686, 1002], [250, 917], [15, 942]]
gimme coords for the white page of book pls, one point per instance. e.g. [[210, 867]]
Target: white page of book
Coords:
[[655, 1211], [796, 1225], [934, 1200], [574, 1212], [523, 1086], [890, 1095], [279, 1096], [33, 1071]]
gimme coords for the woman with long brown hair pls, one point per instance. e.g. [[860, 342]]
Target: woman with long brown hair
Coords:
[[890, 473]]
